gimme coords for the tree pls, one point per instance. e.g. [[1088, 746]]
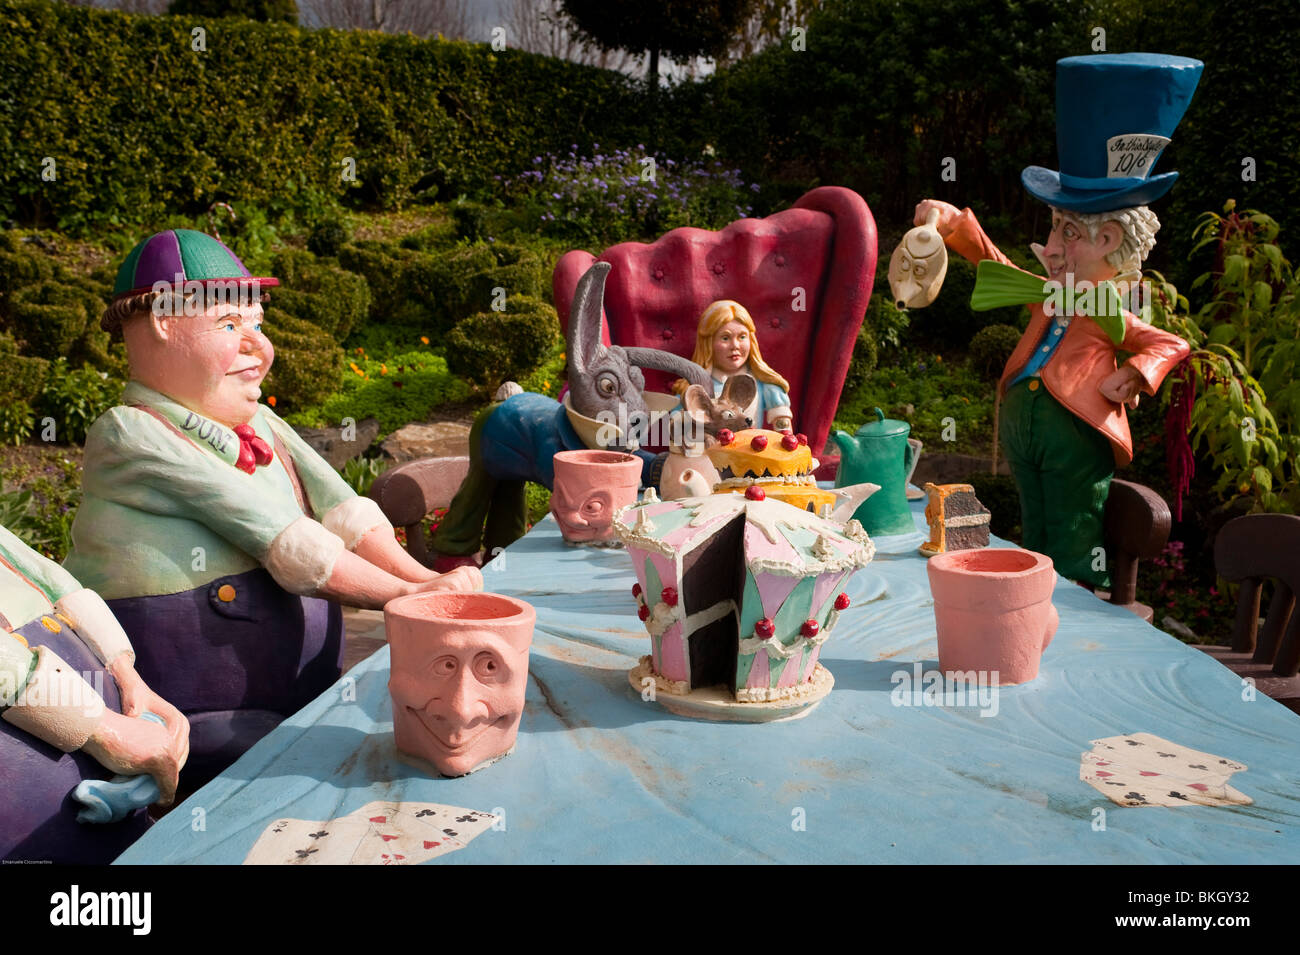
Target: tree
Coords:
[[279, 11], [679, 29], [450, 18]]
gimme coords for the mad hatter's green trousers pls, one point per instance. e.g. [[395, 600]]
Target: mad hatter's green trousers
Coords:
[[1063, 468]]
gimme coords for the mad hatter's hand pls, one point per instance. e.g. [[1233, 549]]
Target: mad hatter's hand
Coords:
[[1123, 386], [947, 213]]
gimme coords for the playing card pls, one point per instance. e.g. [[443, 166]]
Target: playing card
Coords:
[[306, 842], [379, 833], [444, 822], [1140, 769], [1156, 754]]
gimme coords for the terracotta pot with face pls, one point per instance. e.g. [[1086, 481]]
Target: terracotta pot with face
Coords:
[[590, 486], [458, 675], [993, 611]]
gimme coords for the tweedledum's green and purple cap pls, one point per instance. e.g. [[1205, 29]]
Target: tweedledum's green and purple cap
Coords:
[[178, 256]]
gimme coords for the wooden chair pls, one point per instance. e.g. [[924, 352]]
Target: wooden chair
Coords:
[[409, 492], [804, 274], [1137, 523], [1246, 551]]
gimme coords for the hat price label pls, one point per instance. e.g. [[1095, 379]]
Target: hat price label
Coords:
[[1133, 154]]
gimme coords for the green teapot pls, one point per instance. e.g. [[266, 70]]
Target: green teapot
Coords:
[[879, 453]]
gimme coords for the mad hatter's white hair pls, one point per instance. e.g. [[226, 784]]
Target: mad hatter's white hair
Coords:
[[1138, 226]]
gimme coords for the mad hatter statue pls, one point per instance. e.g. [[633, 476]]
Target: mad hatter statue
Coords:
[[71, 702], [222, 542], [1062, 420]]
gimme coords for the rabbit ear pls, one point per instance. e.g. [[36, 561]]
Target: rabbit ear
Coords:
[[584, 317], [673, 364], [740, 390]]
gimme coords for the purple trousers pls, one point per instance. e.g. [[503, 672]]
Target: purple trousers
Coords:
[[39, 818], [236, 656]]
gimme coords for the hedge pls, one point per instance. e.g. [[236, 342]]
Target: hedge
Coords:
[[491, 347], [141, 126]]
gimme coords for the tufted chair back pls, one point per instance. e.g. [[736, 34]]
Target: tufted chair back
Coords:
[[804, 274]]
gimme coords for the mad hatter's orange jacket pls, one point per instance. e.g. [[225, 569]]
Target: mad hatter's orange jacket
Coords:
[[1085, 357]]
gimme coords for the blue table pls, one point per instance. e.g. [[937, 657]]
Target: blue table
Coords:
[[599, 775]]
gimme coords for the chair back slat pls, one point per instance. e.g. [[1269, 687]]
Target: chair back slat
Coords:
[[1247, 550]]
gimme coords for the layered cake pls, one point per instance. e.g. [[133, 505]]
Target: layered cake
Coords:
[[958, 521], [739, 592], [780, 463]]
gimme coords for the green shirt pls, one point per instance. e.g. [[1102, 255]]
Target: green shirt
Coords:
[[165, 510]]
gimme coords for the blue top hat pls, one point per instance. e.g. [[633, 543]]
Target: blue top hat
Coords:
[[1115, 112]]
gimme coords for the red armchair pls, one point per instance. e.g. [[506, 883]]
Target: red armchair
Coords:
[[824, 245]]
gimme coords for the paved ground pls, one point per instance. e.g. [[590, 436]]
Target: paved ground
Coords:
[[364, 634]]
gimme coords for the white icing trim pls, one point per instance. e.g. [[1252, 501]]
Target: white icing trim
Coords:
[[662, 617], [95, 624], [966, 520], [354, 519], [703, 618], [762, 694], [57, 705], [302, 556], [767, 516]]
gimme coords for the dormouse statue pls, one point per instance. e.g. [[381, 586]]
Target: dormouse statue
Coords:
[[515, 441]]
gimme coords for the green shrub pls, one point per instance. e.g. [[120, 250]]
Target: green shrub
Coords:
[[23, 377], [327, 238], [269, 115], [491, 347], [48, 318], [863, 362], [619, 195], [433, 290], [284, 11], [471, 219], [74, 398], [16, 422], [20, 266], [336, 301], [308, 362], [403, 386], [991, 347]]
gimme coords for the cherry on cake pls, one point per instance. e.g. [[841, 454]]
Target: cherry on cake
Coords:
[[779, 463], [740, 592]]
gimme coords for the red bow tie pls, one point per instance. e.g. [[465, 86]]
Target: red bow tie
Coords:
[[253, 451]]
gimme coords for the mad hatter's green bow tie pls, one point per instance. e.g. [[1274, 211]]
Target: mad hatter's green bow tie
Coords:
[[998, 285]]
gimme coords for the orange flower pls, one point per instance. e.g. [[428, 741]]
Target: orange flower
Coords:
[[383, 369], [270, 400], [425, 339]]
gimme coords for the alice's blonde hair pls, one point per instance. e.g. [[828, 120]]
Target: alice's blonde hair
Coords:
[[716, 316]]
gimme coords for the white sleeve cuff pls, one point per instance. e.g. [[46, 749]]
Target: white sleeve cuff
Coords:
[[302, 557], [57, 705], [354, 519], [95, 624], [782, 412]]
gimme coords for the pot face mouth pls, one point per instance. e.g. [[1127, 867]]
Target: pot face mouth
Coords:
[[991, 562]]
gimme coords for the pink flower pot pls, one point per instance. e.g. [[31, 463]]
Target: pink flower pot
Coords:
[[458, 674], [993, 611], [590, 487]]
